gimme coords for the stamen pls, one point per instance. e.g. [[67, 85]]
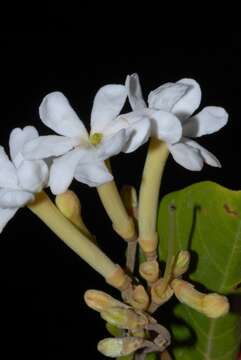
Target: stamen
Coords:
[[96, 138]]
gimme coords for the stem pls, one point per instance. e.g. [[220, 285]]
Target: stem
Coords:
[[112, 202], [165, 355], [171, 250], [149, 194], [44, 208], [131, 255]]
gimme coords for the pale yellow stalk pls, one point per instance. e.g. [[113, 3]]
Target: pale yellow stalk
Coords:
[[44, 208], [149, 195], [123, 224]]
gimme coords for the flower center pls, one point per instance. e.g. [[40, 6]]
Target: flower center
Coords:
[[96, 138]]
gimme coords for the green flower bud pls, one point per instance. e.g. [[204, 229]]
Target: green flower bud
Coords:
[[182, 263], [115, 347], [124, 318], [100, 301], [211, 305]]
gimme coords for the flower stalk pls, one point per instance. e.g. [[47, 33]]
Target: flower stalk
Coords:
[[112, 202], [44, 208], [149, 195]]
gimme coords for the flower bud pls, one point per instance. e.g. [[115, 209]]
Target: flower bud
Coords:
[[182, 263], [68, 203], [149, 270], [115, 347], [158, 296], [124, 318], [100, 301], [215, 305], [211, 305], [138, 298]]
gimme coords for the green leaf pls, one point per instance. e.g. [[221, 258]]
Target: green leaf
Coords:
[[208, 223], [127, 357]]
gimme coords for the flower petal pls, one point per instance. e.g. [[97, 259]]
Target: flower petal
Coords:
[[18, 138], [187, 156], [50, 145], [14, 198], [93, 174], [56, 112], [63, 169], [8, 176], [108, 103], [207, 121], [189, 103], [133, 87], [207, 156], [33, 175], [112, 145], [165, 126], [5, 216], [140, 132], [181, 98]]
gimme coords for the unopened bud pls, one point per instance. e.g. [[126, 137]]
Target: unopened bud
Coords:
[[124, 318], [212, 305], [100, 301], [138, 298], [115, 347], [68, 203], [129, 197], [149, 270], [159, 296], [215, 305], [181, 264]]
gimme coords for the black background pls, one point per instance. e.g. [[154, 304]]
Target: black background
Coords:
[[42, 281]]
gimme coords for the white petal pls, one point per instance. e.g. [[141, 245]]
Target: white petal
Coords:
[[189, 103], [93, 174], [140, 132], [14, 198], [112, 145], [181, 98], [165, 126], [56, 112], [207, 121], [137, 125], [33, 175], [133, 87], [108, 103], [187, 156], [50, 145], [19, 137], [5, 216], [8, 176], [63, 169], [207, 156]]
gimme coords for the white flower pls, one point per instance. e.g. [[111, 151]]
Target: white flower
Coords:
[[182, 99], [162, 123], [81, 156], [20, 179]]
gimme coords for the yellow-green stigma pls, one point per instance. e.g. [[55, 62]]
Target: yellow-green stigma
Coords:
[[96, 138]]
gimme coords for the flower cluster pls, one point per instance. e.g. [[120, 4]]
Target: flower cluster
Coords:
[[55, 160], [37, 162]]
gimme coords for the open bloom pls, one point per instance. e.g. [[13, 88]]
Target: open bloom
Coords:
[[20, 179], [80, 155], [181, 99]]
